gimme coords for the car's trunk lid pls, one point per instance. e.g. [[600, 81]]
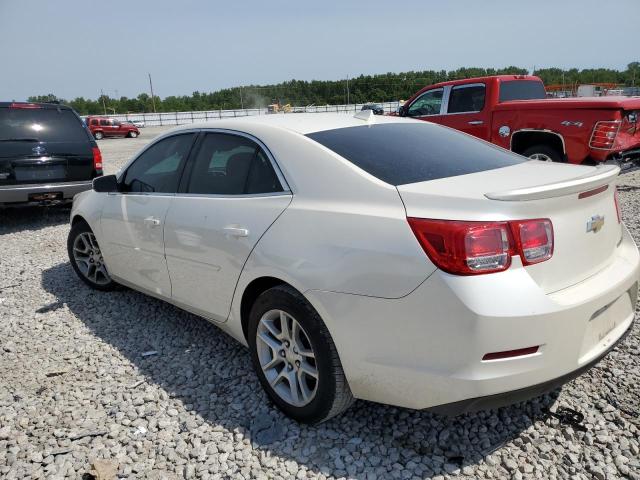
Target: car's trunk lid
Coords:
[[586, 227]]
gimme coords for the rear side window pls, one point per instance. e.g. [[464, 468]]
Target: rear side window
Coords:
[[43, 125], [231, 165], [522, 90], [466, 99], [401, 153], [158, 169]]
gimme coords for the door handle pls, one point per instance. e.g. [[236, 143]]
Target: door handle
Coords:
[[476, 122], [236, 231], [151, 222]]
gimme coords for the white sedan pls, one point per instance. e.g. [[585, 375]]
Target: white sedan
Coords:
[[367, 257]]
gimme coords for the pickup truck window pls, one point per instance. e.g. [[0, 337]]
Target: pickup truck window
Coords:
[[522, 90], [467, 98], [401, 153], [428, 103]]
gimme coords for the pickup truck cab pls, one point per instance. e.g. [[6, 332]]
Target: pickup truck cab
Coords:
[[102, 127], [512, 111]]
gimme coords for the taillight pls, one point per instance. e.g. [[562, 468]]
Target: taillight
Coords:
[[473, 248], [616, 199], [534, 240], [24, 105], [97, 159], [604, 134]]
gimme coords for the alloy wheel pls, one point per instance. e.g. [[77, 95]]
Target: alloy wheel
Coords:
[[88, 258], [541, 156], [287, 358]]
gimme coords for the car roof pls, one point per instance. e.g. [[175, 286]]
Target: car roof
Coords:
[[303, 123], [35, 105]]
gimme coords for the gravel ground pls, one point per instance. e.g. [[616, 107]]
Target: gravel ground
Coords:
[[78, 384]]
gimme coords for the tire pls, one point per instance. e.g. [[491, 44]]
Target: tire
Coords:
[[544, 153], [98, 135], [132, 135], [330, 392], [81, 245]]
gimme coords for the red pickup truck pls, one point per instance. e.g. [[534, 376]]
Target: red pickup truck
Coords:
[[514, 112]]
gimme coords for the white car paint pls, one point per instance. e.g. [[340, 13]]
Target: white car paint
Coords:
[[407, 333]]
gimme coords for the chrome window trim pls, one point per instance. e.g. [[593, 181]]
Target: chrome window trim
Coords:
[[286, 193], [540, 130], [467, 85]]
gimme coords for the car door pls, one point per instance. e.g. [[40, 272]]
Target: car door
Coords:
[[132, 219], [427, 106], [466, 110], [231, 193], [105, 125], [116, 128]]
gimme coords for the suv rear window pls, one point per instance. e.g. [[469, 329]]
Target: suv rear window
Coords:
[[522, 90], [401, 153], [44, 125]]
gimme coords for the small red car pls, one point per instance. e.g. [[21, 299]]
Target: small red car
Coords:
[[101, 127]]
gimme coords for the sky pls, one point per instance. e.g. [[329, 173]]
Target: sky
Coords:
[[75, 48]]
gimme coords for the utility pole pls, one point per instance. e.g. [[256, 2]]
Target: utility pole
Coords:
[[104, 107], [241, 102], [153, 99], [347, 89]]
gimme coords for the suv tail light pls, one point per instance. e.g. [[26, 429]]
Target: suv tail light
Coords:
[[604, 135], [473, 248], [97, 159], [617, 201]]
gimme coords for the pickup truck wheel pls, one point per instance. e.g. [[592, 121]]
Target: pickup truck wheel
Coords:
[[98, 135], [543, 153]]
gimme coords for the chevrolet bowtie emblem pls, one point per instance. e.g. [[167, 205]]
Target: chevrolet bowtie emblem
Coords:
[[595, 224]]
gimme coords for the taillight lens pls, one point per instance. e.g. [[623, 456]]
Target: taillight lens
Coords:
[[534, 240], [97, 159], [616, 199], [473, 248], [604, 134]]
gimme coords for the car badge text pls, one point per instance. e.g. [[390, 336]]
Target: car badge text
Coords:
[[595, 224]]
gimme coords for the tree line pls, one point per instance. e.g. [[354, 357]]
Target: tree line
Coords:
[[361, 89]]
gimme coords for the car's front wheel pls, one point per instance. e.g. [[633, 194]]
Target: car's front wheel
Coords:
[[86, 257], [133, 134], [295, 358]]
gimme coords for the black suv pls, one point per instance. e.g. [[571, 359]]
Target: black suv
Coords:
[[47, 154]]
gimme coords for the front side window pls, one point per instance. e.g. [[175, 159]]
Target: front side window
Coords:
[[158, 169], [466, 99], [104, 122], [231, 165], [428, 103]]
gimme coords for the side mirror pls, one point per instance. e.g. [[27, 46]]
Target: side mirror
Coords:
[[105, 184], [402, 111]]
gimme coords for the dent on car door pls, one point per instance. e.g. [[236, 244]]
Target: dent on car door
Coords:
[[230, 195], [132, 220]]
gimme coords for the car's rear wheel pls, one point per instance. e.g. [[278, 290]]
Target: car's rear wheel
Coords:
[[295, 358], [133, 134], [86, 258], [544, 153], [98, 135]]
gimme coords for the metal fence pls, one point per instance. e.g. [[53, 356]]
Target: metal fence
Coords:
[[181, 118]]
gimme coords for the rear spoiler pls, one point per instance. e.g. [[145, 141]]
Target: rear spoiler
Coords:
[[603, 174]]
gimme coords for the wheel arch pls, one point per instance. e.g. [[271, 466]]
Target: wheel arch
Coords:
[[252, 291], [525, 138]]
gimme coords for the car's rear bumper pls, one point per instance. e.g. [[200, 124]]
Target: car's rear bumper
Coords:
[[14, 194], [426, 349]]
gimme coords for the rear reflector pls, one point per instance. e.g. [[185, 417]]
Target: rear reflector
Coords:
[[616, 199], [593, 192], [510, 353], [97, 158], [473, 248]]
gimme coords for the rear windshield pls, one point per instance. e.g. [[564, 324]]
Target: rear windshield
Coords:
[[43, 125], [522, 90], [401, 153]]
